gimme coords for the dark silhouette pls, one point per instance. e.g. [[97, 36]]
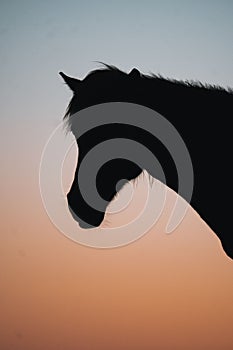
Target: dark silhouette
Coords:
[[200, 113]]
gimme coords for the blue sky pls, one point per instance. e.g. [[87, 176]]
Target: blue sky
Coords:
[[179, 39]]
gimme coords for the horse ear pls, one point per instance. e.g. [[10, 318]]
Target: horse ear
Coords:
[[134, 73], [71, 82]]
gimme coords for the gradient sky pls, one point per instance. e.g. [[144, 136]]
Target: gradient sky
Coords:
[[56, 294]]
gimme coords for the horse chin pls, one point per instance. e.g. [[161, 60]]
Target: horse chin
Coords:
[[85, 225]]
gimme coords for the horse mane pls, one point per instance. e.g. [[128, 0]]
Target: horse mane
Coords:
[[150, 81], [187, 82]]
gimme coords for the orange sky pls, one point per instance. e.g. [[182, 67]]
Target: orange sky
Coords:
[[160, 292]]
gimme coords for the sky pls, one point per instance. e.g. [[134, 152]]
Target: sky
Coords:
[[56, 294]]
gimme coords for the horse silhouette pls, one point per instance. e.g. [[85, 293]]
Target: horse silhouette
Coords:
[[200, 113]]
